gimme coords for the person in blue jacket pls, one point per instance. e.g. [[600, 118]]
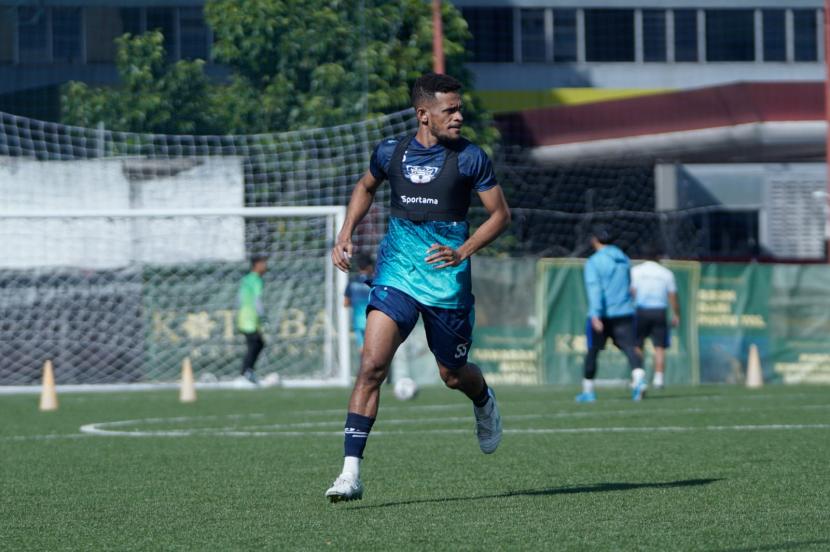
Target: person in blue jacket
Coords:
[[610, 313]]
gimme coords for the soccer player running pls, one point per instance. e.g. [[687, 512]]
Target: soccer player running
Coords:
[[610, 313], [423, 263], [357, 296], [249, 317], [654, 290]]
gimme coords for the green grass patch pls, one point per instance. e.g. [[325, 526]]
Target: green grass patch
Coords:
[[706, 468]]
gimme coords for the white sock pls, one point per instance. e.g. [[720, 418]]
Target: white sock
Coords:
[[587, 386], [638, 375], [351, 464], [658, 378]]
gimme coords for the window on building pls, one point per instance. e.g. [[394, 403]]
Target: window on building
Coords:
[[564, 35], [8, 22], [33, 35], [685, 35], [194, 34], [492, 30], [654, 35], [775, 35], [67, 35], [730, 35], [728, 233], [609, 35], [533, 35], [131, 21], [164, 20], [806, 41]]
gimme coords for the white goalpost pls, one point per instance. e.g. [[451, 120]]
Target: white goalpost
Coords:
[[121, 253], [116, 299]]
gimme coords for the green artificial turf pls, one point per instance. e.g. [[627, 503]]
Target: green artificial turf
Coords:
[[707, 468]]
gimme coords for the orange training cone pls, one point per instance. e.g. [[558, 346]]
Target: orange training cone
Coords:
[[48, 395], [754, 376], [188, 389]]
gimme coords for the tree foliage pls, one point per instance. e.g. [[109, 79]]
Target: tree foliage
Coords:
[[154, 96], [293, 65]]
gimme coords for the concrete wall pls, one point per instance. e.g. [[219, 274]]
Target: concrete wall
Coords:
[[108, 185]]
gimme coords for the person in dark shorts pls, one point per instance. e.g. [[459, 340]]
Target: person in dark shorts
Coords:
[[423, 264], [610, 313], [654, 290]]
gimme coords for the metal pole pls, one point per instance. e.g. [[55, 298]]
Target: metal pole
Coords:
[[438, 38], [827, 117], [364, 59]]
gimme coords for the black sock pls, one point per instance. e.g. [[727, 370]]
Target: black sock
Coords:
[[483, 397]]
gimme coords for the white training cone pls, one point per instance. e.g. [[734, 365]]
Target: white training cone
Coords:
[[188, 389], [48, 394], [754, 376]]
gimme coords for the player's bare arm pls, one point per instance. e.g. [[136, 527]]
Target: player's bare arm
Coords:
[[443, 256], [675, 308], [362, 197]]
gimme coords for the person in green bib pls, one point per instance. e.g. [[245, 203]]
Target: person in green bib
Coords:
[[249, 317]]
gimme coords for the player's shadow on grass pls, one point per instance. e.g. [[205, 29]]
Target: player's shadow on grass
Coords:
[[551, 491]]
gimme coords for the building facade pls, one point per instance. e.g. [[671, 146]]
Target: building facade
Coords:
[[538, 53], [46, 43], [524, 53]]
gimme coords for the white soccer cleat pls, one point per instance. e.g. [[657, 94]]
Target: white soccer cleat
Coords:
[[346, 487], [488, 425]]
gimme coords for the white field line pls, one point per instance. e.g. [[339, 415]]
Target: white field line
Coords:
[[120, 428], [511, 418], [48, 437], [92, 430], [301, 428]]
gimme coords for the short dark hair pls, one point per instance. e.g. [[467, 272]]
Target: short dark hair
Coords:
[[602, 233], [258, 258], [652, 250], [428, 85]]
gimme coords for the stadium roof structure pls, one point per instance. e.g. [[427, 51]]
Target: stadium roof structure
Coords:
[[742, 122]]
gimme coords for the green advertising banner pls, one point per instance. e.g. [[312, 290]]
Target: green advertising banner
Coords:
[[799, 324], [192, 313], [732, 315], [530, 323], [783, 310], [562, 315], [504, 339]]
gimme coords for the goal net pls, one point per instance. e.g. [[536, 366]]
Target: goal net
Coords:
[[121, 253], [125, 296]]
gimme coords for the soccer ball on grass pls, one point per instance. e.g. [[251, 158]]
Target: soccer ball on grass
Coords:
[[405, 389]]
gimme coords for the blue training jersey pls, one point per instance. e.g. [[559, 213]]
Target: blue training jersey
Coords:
[[608, 283], [400, 259]]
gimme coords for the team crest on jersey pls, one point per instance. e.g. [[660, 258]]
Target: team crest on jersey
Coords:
[[420, 175]]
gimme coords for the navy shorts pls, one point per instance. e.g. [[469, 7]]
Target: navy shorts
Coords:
[[449, 331], [620, 329], [652, 323]]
